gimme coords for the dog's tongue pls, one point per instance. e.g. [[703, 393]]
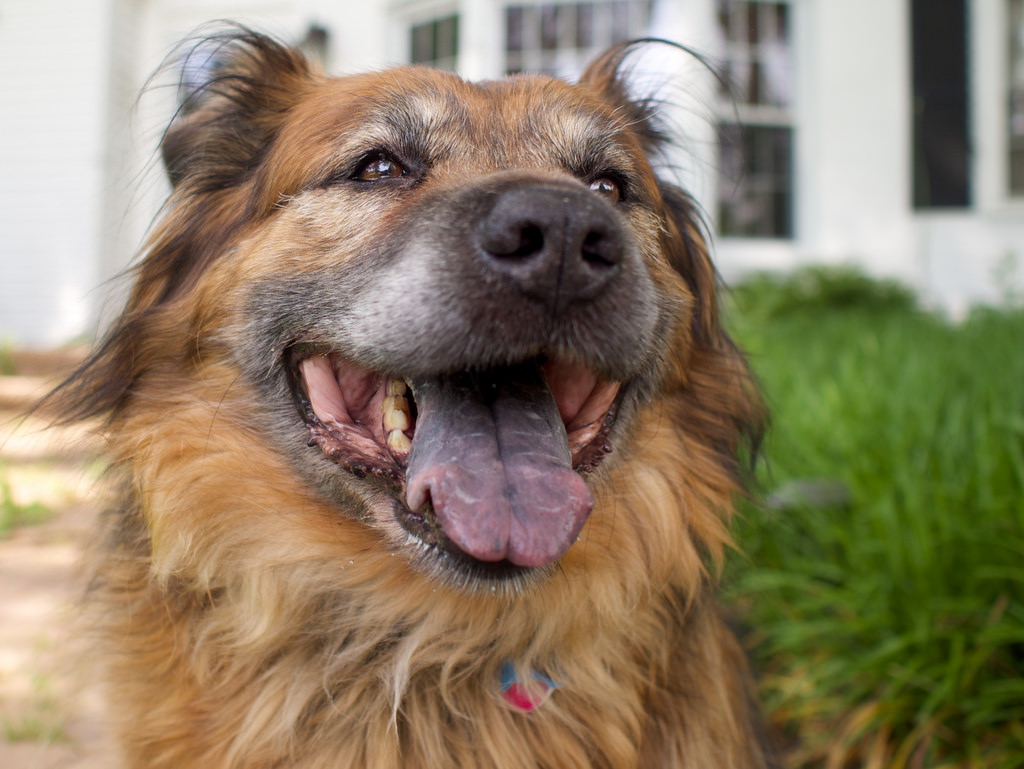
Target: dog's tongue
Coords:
[[491, 456]]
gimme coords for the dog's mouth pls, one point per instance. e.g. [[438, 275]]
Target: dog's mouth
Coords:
[[485, 465]]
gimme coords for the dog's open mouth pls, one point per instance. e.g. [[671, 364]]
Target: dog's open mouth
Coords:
[[486, 464]]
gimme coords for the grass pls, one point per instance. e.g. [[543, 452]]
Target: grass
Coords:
[[888, 621], [7, 366], [40, 719], [13, 514]]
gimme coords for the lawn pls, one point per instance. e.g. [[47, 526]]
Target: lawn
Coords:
[[883, 586]]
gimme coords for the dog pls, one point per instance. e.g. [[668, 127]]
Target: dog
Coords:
[[423, 431]]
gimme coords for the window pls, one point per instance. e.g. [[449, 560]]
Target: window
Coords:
[[940, 119], [560, 38], [755, 184], [435, 43], [1016, 105]]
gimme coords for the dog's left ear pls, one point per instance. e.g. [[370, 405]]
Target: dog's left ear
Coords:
[[609, 77]]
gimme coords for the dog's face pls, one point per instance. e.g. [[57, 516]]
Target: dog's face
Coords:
[[451, 301]]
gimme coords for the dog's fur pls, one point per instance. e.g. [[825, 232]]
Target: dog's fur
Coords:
[[265, 600]]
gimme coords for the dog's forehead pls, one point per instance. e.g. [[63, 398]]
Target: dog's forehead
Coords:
[[518, 117]]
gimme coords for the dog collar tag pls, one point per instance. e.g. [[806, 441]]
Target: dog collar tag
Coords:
[[525, 696]]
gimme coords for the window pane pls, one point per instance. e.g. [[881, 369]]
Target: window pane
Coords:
[[422, 44], [775, 77], [548, 28], [753, 89], [941, 159], [1016, 105], [584, 25], [514, 28], [782, 23], [724, 8], [435, 43], [753, 30], [447, 35], [621, 27], [739, 74], [755, 181]]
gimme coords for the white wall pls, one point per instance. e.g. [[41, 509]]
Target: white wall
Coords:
[[53, 65], [856, 168]]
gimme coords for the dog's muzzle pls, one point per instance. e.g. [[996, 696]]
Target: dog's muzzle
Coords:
[[519, 313]]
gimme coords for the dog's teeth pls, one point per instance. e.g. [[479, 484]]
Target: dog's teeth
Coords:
[[399, 442], [396, 416], [396, 413], [396, 420]]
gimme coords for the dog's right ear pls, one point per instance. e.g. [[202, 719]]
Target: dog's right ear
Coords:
[[234, 88]]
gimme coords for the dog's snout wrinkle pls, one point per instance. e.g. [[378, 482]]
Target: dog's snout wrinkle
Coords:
[[556, 246]]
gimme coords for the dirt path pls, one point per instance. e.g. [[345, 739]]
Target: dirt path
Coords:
[[49, 716]]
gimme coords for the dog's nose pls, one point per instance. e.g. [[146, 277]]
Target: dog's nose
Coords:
[[558, 245]]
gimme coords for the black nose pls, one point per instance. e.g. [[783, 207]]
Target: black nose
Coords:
[[558, 245]]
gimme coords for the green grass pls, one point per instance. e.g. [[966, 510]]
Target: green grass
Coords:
[[40, 718], [7, 365], [890, 626]]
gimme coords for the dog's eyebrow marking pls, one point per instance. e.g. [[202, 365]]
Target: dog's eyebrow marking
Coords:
[[428, 123], [578, 134], [586, 144]]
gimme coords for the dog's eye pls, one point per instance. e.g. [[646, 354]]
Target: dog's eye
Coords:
[[378, 167], [607, 187]]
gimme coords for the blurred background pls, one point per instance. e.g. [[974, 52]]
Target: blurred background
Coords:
[[883, 133], [863, 171]]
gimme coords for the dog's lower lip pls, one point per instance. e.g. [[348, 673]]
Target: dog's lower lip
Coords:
[[434, 548]]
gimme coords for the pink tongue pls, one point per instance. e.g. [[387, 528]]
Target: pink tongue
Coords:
[[491, 456]]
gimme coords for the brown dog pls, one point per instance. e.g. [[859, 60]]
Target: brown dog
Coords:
[[424, 431]]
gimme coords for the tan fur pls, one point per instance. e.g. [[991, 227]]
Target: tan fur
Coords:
[[247, 624]]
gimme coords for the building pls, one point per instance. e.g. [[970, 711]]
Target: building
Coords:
[[886, 133]]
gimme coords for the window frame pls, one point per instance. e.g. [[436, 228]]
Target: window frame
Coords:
[[1013, 92]]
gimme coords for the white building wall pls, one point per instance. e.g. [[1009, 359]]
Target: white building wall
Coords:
[[53, 71], [856, 166]]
